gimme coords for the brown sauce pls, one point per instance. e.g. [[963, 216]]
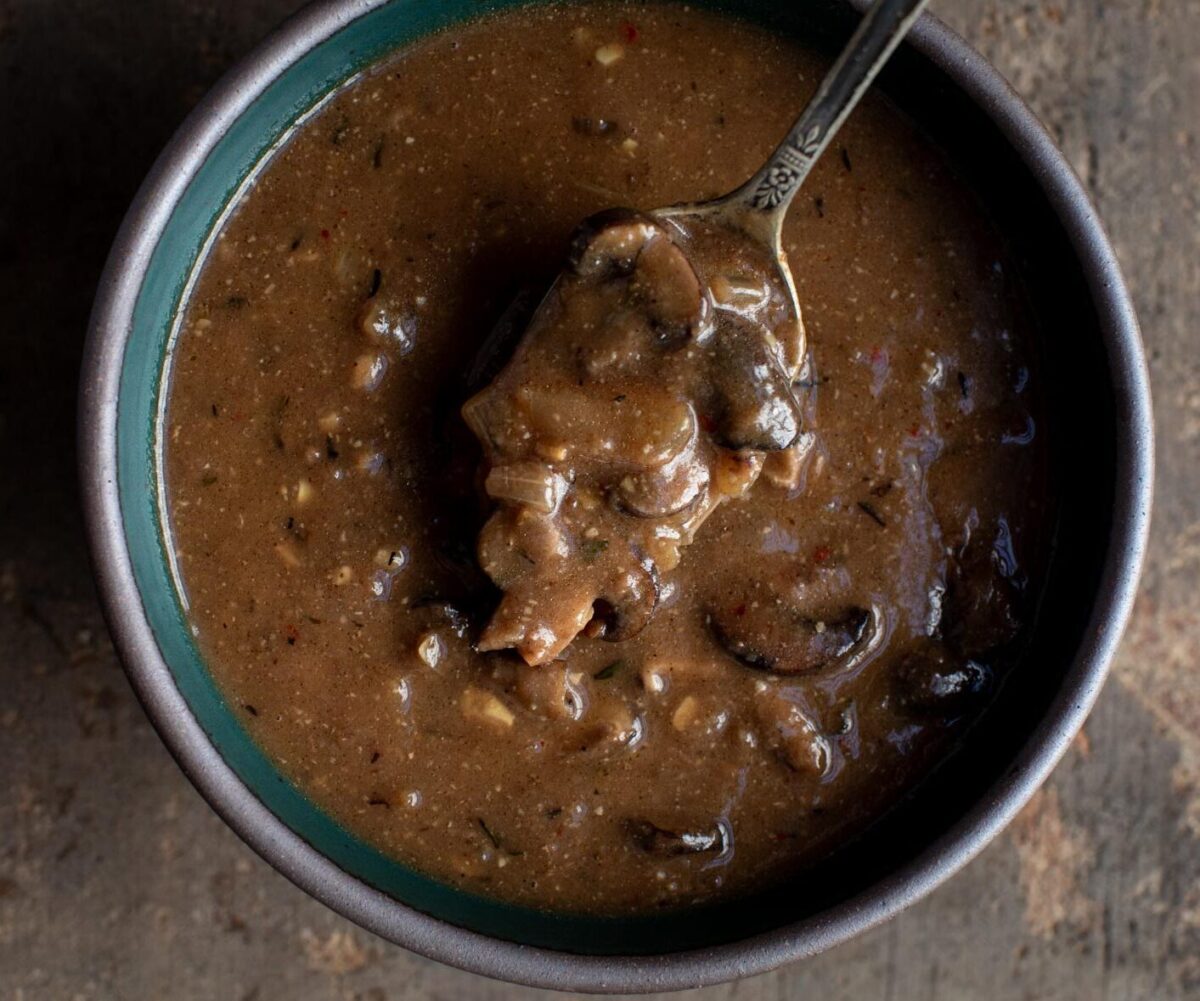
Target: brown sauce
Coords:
[[650, 387], [834, 622]]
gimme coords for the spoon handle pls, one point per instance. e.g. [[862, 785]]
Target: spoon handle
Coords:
[[770, 191]]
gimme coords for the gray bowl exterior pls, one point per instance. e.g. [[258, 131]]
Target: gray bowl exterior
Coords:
[[1109, 601]]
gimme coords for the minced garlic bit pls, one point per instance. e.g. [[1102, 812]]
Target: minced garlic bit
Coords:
[[551, 452], [430, 649], [368, 371], [654, 680], [287, 553], [304, 491], [686, 713], [484, 707], [343, 575], [608, 54]]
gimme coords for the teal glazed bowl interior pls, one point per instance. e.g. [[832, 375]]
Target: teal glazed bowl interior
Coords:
[[1100, 443]]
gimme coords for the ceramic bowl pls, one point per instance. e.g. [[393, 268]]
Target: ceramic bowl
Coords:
[[1100, 437]]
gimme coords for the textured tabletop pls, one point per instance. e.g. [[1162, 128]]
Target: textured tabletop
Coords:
[[118, 881]]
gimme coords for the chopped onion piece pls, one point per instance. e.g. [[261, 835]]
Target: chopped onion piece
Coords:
[[529, 483]]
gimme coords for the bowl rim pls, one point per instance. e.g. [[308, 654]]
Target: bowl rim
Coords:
[[109, 328]]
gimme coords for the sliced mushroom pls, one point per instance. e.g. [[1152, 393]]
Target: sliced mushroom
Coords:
[[607, 244], [659, 841], [766, 632], [933, 681], [668, 490], [667, 287], [793, 731], [627, 607], [754, 406]]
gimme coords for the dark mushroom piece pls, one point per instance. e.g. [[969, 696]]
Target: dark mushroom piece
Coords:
[[633, 253], [754, 406], [630, 602], [673, 488], [793, 730], [768, 633], [656, 840], [933, 681]]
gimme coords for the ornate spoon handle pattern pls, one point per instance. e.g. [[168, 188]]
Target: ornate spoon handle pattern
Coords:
[[880, 31]]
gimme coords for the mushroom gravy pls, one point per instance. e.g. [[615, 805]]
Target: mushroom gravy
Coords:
[[651, 386], [832, 626]]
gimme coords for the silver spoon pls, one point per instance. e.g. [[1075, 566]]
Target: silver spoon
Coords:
[[757, 208]]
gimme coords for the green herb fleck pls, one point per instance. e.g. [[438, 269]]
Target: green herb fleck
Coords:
[[487, 832], [495, 841], [608, 670], [870, 512], [592, 549]]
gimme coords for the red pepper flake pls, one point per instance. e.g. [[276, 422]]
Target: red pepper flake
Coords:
[[915, 431], [292, 634], [343, 212], [324, 234], [740, 610], [629, 31], [821, 554], [877, 355], [708, 423]]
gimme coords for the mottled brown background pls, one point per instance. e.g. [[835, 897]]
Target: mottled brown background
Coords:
[[117, 881]]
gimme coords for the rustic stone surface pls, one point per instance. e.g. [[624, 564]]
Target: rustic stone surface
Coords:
[[117, 881]]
